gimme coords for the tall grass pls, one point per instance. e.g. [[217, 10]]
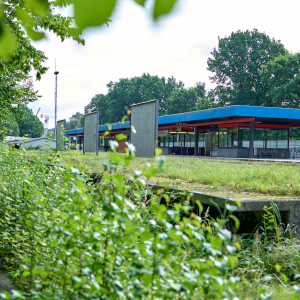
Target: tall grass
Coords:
[[249, 179]]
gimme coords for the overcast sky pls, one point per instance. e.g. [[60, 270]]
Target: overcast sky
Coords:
[[133, 44]]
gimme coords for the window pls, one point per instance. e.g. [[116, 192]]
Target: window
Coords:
[[223, 137], [233, 137]]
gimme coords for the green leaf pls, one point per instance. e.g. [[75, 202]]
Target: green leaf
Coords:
[[7, 41], [120, 137], [278, 268], [162, 7], [93, 12], [40, 6], [236, 220], [216, 242], [34, 35], [140, 2], [25, 273]]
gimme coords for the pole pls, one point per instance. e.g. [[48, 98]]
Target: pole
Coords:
[[55, 100]]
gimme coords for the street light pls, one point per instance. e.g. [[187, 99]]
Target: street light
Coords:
[[55, 100]]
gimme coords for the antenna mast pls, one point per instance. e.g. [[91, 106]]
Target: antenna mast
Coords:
[[55, 99]]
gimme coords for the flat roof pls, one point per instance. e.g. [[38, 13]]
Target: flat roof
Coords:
[[289, 116]]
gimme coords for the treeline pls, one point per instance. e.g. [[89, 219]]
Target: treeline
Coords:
[[249, 68], [27, 124], [172, 95]]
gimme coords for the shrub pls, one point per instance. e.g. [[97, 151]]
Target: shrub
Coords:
[[65, 237]]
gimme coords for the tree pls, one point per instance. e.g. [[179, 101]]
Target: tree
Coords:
[[139, 89], [18, 57], [31, 126], [182, 100], [282, 77], [22, 21], [11, 127], [237, 66], [99, 103], [74, 121]]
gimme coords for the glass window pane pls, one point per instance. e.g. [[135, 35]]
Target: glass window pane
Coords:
[[259, 138], [244, 136], [192, 137], [282, 136], [232, 138], [201, 142], [271, 138], [223, 137]]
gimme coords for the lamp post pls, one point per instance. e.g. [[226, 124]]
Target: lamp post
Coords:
[[55, 100]]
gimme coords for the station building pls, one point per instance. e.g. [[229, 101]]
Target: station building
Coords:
[[233, 131]]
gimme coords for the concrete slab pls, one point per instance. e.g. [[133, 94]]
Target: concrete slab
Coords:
[[144, 118], [289, 208]]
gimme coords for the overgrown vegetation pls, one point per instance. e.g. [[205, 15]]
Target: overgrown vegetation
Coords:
[[67, 235], [221, 177]]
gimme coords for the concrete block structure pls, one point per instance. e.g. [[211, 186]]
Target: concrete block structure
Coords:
[[144, 119], [60, 135], [91, 132]]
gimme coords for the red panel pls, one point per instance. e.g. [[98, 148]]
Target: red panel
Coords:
[[255, 125], [205, 124]]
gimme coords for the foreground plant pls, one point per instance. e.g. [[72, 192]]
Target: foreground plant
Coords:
[[65, 237]]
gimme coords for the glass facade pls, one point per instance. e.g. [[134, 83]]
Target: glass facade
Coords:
[[263, 137]]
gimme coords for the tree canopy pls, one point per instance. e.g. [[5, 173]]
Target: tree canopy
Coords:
[[282, 77], [18, 57], [76, 121], [23, 21], [237, 67], [172, 96], [31, 126]]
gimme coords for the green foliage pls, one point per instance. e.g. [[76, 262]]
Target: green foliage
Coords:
[[65, 235], [11, 126], [75, 121], [162, 7], [173, 97], [31, 126], [20, 21], [36, 15], [237, 67], [282, 76], [182, 100]]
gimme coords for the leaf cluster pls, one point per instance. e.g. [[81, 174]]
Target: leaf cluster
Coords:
[[64, 236]]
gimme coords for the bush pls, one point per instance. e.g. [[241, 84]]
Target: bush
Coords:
[[65, 237]]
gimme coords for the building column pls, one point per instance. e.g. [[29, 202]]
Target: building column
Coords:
[[251, 139], [196, 140]]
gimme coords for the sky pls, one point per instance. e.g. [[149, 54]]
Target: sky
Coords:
[[177, 45]]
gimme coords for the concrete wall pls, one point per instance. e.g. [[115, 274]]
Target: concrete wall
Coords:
[[144, 118], [228, 152], [60, 135], [39, 143], [91, 132]]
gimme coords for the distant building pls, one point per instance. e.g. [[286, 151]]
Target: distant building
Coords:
[[32, 143]]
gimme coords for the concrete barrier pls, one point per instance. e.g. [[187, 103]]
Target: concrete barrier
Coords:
[[144, 118], [60, 135], [91, 132]]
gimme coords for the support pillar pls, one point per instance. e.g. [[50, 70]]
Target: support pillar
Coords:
[[196, 151], [251, 139]]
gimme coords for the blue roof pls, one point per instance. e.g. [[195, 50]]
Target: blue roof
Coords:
[[284, 114]]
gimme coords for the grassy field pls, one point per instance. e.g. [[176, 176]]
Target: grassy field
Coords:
[[242, 179]]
